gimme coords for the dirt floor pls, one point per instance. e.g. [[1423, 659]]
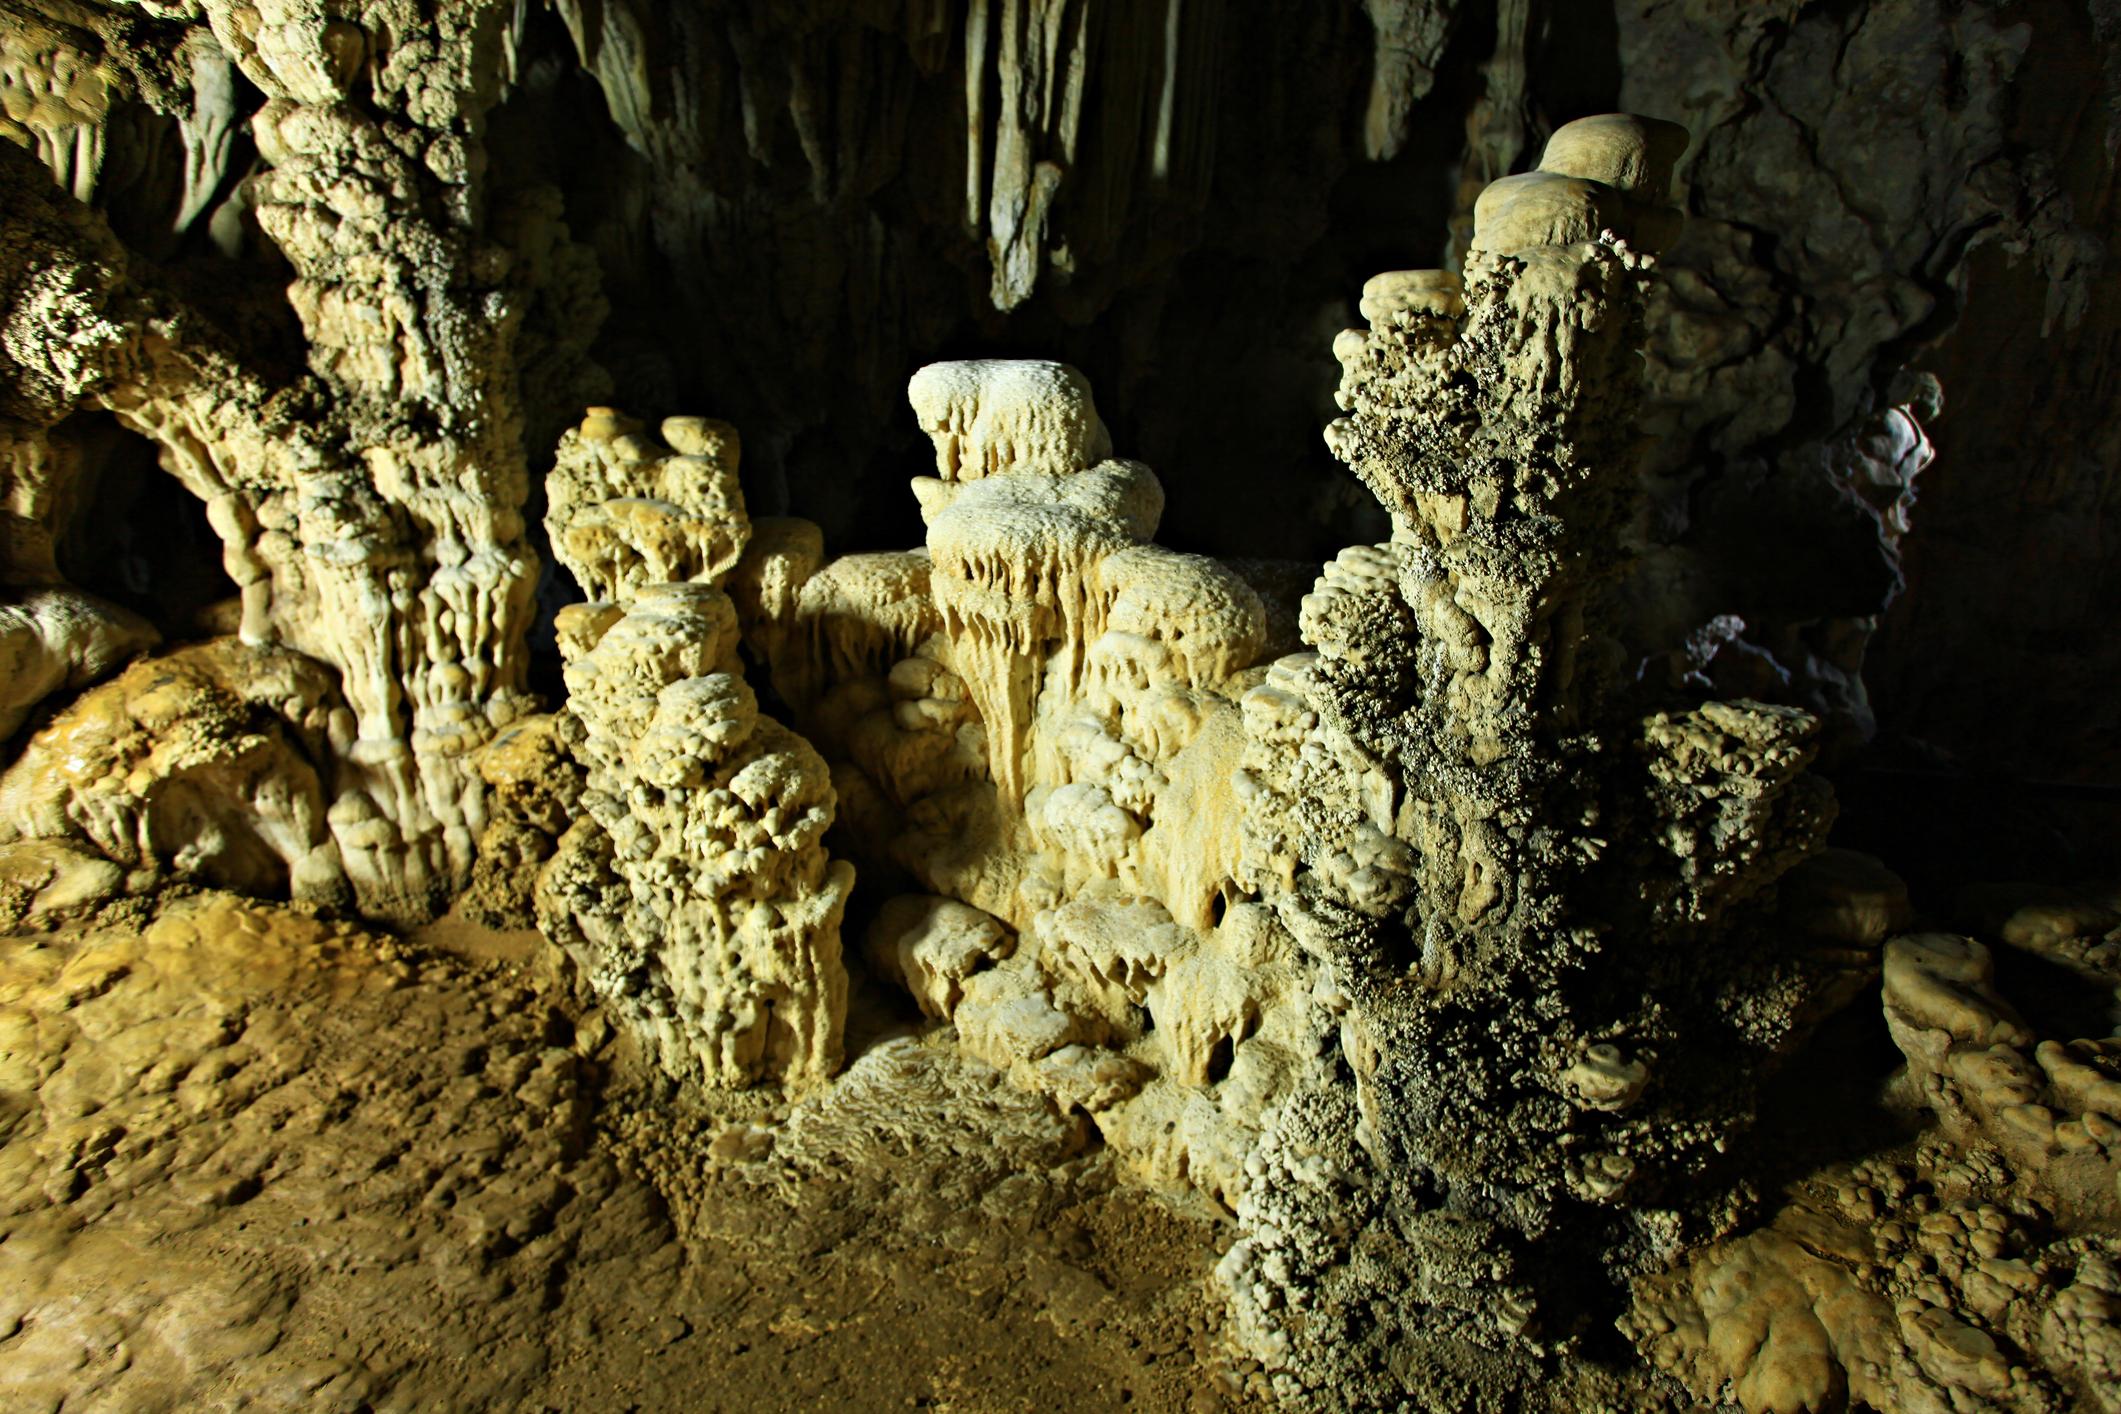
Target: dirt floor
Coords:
[[254, 1159]]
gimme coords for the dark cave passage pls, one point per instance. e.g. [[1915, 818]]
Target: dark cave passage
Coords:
[[138, 537]]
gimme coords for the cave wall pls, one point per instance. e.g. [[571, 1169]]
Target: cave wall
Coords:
[[782, 238]]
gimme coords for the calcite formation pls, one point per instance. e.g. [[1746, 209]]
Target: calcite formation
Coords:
[[200, 765], [1276, 925], [1441, 923], [369, 506], [694, 890], [1034, 720], [1279, 927], [1502, 868]]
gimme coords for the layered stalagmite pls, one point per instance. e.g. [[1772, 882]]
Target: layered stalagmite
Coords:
[[1525, 895], [693, 890], [1034, 722], [369, 508]]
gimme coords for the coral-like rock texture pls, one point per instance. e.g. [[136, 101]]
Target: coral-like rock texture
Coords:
[[369, 505], [1392, 945], [199, 765], [1505, 873], [693, 890], [1974, 1269], [1440, 922]]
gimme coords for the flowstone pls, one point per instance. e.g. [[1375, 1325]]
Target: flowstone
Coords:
[[1974, 1268], [199, 767]]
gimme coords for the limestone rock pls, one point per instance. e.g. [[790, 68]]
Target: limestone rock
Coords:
[[930, 946], [693, 889], [533, 793], [1037, 718], [624, 509], [56, 639], [989, 415], [2052, 1107], [1609, 172], [200, 765]]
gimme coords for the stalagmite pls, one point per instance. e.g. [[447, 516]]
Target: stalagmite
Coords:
[[1435, 793], [370, 511], [694, 891], [1045, 736]]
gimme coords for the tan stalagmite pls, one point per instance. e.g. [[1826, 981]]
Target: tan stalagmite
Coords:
[[693, 890], [993, 415], [624, 510], [1495, 866]]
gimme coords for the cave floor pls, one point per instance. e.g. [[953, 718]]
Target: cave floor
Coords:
[[251, 1158]]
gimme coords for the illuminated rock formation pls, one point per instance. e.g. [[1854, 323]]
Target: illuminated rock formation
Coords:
[[622, 511], [1207, 893], [1443, 924], [1501, 871], [693, 891], [198, 766], [1978, 1270], [370, 510], [1036, 720]]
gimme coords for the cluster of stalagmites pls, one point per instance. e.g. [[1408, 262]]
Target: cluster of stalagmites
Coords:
[[1034, 723], [1441, 954], [1392, 946], [1525, 897]]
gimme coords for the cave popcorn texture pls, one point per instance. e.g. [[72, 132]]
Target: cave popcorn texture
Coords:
[[694, 892], [1203, 897], [1270, 925], [370, 508]]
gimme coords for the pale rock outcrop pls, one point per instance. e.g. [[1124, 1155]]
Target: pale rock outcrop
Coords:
[[992, 415], [370, 509], [55, 93], [533, 794], [692, 889], [2051, 1107], [1979, 1270], [57, 638], [623, 509], [54, 637], [201, 765], [931, 946]]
